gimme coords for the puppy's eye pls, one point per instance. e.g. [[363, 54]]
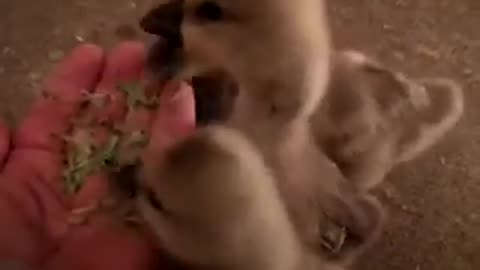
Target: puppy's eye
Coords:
[[153, 200], [209, 11]]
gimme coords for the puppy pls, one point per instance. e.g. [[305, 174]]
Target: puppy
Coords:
[[373, 118], [277, 54], [276, 51], [212, 203]]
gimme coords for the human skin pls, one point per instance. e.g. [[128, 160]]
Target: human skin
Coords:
[[34, 211]]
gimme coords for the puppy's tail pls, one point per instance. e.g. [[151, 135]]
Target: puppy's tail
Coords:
[[442, 110]]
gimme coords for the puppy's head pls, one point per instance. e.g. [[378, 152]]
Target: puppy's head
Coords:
[[267, 44], [211, 201], [239, 35]]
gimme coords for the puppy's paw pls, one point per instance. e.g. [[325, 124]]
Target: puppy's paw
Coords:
[[355, 223]]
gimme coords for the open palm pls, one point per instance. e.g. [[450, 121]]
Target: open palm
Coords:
[[34, 211]]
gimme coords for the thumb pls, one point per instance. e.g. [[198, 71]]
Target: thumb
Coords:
[[175, 117]]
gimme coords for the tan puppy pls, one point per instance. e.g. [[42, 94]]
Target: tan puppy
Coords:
[[373, 118], [213, 204], [277, 53]]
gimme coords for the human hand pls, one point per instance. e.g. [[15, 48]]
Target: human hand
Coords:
[[34, 211]]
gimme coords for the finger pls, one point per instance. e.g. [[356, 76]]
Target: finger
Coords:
[[175, 118], [176, 115], [97, 184], [4, 143], [124, 64], [78, 72]]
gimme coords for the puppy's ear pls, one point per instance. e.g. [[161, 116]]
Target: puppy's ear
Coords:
[[433, 118], [420, 111], [366, 76], [165, 57], [355, 223], [165, 21]]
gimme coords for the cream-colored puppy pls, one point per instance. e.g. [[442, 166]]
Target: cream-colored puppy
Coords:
[[213, 204], [277, 53], [373, 118]]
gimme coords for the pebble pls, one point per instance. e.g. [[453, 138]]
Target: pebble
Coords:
[[428, 52], [401, 3], [7, 51], [467, 72], [387, 27], [2, 70], [458, 220], [443, 161], [389, 193], [34, 76], [408, 209], [79, 38], [474, 217], [399, 55], [55, 55], [133, 4]]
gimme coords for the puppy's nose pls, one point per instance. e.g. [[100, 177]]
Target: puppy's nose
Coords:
[[165, 21]]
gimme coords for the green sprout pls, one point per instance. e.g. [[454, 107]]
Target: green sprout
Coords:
[[86, 159], [136, 96]]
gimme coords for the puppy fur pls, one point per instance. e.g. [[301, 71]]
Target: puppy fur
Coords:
[[373, 118], [213, 203], [277, 53], [261, 45], [317, 194]]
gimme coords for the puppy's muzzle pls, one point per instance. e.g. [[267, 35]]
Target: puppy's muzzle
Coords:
[[214, 92]]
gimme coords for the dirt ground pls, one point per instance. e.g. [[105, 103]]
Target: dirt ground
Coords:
[[434, 202]]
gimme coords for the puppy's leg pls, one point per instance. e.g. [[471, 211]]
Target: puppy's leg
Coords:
[[330, 215], [356, 221]]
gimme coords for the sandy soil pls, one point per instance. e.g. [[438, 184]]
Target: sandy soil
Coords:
[[434, 202]]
